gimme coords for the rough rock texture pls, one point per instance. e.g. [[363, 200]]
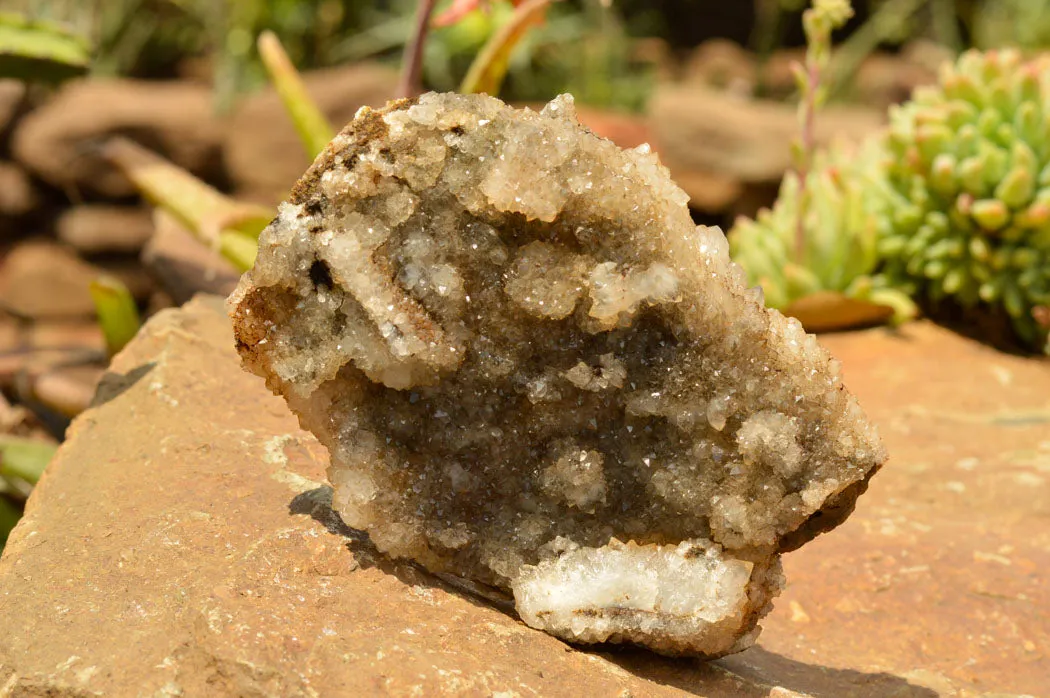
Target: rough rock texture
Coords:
[[194, 526], [265, 156], [522, 353], [60, 140]]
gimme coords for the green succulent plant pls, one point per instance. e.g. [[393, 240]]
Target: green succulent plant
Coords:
[[965, 210], [814, 252], [840, 228]]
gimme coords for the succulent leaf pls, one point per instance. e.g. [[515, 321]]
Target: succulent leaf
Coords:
[[842, 242]]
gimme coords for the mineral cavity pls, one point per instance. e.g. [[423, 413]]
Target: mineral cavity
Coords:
[[532, 370]]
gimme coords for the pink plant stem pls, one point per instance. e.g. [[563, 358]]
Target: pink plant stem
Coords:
[[808, 146], [411, 83]]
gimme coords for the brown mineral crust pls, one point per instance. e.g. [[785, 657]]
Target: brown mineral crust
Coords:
[[367, 127], [456, 288], [836, 510]]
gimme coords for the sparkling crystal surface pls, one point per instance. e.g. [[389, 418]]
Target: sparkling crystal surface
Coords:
[[533, 370]]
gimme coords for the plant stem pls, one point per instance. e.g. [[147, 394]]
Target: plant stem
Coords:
[[881, 26], [819, 21], [411, 83], [808, 143], [489, 67], [224, 224]]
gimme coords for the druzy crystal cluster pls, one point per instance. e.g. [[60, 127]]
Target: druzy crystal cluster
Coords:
[[534, 371]]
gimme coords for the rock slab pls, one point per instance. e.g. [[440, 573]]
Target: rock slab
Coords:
[[60, 141], [181, 544]]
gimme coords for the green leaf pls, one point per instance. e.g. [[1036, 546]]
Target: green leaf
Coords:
[[990, 214], [800, 281], [903, 306], [34, 50], [239, 249], [1016, 189], [313, 127], [489, 68], [210, 215], [9, 516], [24, 458], [117, 314]]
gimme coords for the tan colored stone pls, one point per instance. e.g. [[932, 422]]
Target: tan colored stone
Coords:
[[42, 280], [10, 333], [721, 64], [59, 141], [263, 151], [19, 367], [181, 265], [195, 523], [92, 228], [32, 349], [68, 390], [11, 97], [942, 570], [702, 130], [17, 194], [63, 335], [880, 80]]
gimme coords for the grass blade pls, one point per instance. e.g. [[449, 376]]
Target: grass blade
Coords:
[[411, 81], [210, 215], [313, 128], [39, 50], [117, 313], [24, 458], [239, 249], [9, 516], [489, 68]]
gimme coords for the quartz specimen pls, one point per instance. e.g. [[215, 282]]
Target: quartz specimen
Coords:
[[534, 371]]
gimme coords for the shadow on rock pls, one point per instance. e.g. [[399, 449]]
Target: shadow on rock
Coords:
[[317, 504], [114, 384], [748, 674], [756, 671]]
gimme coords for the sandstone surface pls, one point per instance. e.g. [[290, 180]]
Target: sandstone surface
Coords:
[[195, 529]]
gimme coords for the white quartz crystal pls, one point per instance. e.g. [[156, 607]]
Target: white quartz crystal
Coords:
[[533, 370], [685, 597]]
